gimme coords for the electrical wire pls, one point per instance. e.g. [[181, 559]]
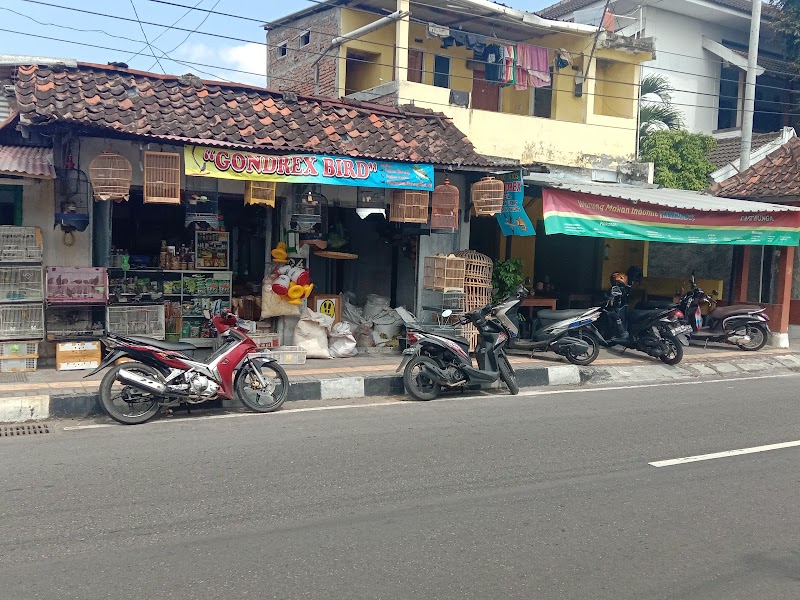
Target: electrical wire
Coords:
[[188, 35], [135, 12], [155, 39]]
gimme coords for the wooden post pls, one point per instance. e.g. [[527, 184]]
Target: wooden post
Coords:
[[739, 291], [785, 270]]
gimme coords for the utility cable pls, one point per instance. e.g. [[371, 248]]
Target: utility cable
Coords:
[[135, 12]]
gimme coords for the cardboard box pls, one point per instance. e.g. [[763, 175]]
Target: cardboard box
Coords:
[[77, 356]]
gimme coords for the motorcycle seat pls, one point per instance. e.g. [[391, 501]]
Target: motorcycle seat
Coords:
[[723, 312], [162, 344], [547, 314]]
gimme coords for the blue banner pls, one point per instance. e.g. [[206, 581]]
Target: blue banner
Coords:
[[513, 219], [202, 161]]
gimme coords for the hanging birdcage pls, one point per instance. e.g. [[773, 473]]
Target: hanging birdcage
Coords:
[[307, 209], [202, 201], [162, 178], [110, 175], [409, 206], [260, 193], [487, 196], [72, 198], [444, 206]]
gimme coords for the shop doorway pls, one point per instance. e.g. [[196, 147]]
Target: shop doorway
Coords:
[[485, 94], [10, 205], [571, 264]]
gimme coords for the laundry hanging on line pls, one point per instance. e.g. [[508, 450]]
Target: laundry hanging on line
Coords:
[[455, 37], [532, 67]]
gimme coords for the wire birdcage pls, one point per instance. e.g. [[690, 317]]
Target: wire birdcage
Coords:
[[409, 206], [444, 206], [110, 175], [307, 209], [487, 196]]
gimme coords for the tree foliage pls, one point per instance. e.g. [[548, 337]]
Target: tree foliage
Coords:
[[681, 158], [788, 23], [656, 111]]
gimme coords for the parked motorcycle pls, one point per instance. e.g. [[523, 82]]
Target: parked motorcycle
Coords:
[[434, 360], [565, 332], [162, 374], [656, 332]]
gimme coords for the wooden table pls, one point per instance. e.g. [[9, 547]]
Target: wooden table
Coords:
[[537, 301]]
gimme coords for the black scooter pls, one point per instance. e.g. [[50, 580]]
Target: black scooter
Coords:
[[434, 360]]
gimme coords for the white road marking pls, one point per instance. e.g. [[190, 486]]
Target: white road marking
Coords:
[[484, 396], [756, 449]]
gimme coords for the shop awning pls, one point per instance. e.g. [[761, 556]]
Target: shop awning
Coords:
[[654, 214], [27, 161]]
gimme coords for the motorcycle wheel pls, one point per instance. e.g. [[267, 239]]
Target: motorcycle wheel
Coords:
[[124, 403], [507, 374], [417, 384], [676, 351], [758, 338], [254, 396], [588, 357]]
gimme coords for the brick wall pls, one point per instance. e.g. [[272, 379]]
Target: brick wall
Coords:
[[295, 70]]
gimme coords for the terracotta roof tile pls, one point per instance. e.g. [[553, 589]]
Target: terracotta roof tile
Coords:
[[728, 149], [776, 176]]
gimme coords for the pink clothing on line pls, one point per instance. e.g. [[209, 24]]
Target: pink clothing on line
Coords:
[[533, 66]]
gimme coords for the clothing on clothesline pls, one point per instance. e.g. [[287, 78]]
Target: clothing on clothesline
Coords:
[[472, 41], [494, 61], [437, 31], [509, 75], [533, 67]]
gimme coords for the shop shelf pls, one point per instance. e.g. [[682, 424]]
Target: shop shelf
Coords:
[[137, 320], [289, 355], [18, 349], [21, 321], [18, 365], [21, 284], [20, 244], [77, 285]]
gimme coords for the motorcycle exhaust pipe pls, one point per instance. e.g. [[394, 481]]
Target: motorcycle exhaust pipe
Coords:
[[437, 375], [141, 382]]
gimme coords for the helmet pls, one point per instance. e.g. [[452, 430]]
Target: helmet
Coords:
[[618, 278], [635, 275]]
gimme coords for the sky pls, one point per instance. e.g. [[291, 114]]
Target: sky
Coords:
[[221, 47]]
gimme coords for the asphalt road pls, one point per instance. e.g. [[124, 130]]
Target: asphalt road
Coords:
[[536, 497]]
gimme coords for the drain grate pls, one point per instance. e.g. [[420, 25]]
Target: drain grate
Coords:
[[15, 430]]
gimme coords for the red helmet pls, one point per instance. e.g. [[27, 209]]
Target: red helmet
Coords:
[[619, 278]]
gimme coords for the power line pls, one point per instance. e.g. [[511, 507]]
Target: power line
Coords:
[[135, 12], [155, 39]]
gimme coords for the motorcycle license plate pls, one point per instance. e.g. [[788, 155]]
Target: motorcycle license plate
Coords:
[[679, 329]]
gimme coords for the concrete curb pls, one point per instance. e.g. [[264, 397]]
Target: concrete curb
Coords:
[[66, 405]]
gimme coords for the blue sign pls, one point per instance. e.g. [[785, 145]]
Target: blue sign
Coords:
[[513, 219]]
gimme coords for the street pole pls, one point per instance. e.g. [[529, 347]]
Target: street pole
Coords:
[[749, 108]]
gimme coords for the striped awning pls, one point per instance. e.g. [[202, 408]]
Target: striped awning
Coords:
[[27, 161]]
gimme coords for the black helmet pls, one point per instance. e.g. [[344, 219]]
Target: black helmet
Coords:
[[634, 275]]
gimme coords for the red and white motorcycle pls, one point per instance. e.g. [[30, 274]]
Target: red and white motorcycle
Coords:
[[158, 373]]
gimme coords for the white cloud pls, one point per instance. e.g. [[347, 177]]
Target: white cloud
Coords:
[[249, 60]]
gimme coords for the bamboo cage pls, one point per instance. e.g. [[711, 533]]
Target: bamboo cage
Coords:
[[478, 268], [444, 206], [409, 206], [487, 196], [110, 175], [162, 178], [444, 273], [260, 192]]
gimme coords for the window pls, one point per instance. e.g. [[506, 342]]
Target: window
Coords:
[[305, 38], [728, 116], [441, 71], [10, 205], [542, 99], [283, 49]]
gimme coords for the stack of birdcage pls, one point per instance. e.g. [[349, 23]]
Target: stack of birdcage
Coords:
[[477, 286]]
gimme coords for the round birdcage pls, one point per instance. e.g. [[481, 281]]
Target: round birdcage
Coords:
[[478, 268], [487, 196], [444, 206], [409, 206], [110, 175]]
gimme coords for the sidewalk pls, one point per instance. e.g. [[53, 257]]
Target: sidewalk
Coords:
[[67, 394]]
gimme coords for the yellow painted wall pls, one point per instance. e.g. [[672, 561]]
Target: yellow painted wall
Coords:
[[623, 254], [615, 91], [525, 247], [380, 42]]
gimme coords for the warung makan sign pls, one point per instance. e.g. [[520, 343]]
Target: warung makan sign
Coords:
[[224, 163], [574, 213]]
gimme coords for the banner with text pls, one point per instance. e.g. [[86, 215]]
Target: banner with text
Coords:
[[513, 219], [573, 213], [222, 163]]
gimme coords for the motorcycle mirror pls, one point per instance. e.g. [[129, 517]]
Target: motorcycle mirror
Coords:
[[447, 313]]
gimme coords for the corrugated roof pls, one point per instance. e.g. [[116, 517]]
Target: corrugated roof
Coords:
[[27, 160], [565, 7], [670, 198]]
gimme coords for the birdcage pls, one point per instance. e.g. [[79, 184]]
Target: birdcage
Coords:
[[21, 284], [444, 206], [409, 206], [110, 175], [444, 273], [20, 244], [478, 268], [202, 201], [22, 321], [146, 320], [487, 196], [162, 178], [307, 209], [260, 192]]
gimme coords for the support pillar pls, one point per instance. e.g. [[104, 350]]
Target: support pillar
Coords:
[[739, 292], [401, 43], [780, 328]]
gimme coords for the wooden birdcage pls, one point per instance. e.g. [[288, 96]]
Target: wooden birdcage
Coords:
[[444, 273], [478, 268], [110, 175], [444, 206], [162, 178], [260, 192], [487, 196], [409, 206]]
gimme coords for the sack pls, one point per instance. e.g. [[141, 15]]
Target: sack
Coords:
[[375, 305], [311, 334], [341, 342], [271, 303]]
